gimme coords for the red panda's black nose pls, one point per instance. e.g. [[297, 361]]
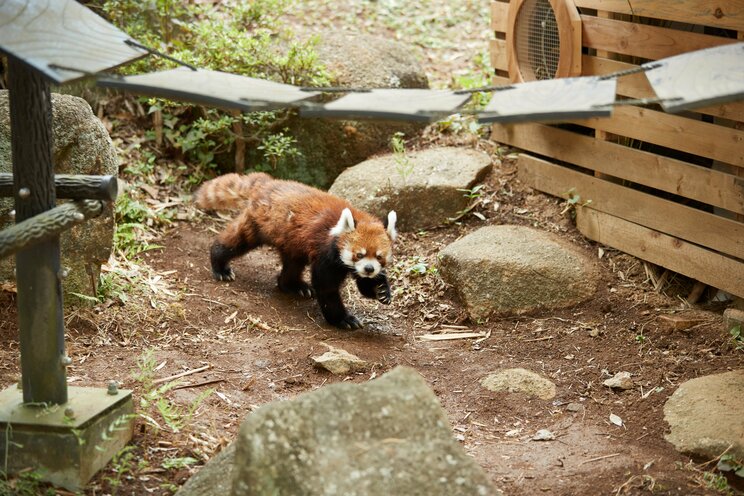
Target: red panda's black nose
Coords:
[[369, 268]]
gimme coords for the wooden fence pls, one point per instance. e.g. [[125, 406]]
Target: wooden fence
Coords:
[[667, 188]]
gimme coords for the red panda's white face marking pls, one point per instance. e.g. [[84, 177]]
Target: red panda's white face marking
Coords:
[[366, 247]]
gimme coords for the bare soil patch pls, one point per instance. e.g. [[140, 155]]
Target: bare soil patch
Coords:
[[258, 342]]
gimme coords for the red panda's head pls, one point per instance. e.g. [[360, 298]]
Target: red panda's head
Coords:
[[365, 246]]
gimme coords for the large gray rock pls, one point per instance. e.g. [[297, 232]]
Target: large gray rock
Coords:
[[500, 270], [705, 416], [81, 145], [329, 146], [424, 188], [215, 478], [388, 436]]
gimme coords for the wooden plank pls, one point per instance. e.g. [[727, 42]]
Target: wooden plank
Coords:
[[211, 88], [695, 79], [497, 52], [551, 100], [728, 14], [637, 86], [397, 104], [62, 33], [672, 253], [703, 228], [499, 16], [641, 40], [666, 174], [675, 132]]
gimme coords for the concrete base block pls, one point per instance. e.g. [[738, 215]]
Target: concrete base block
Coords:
[[66, 444]]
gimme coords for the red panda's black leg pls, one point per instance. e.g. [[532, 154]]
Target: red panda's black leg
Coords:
[[237, 239], [376, 288], [290, 278], [327, 276]]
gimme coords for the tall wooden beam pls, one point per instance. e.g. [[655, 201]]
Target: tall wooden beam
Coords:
[[37, 268]]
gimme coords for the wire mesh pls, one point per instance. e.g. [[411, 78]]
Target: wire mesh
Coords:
[[537, 40]]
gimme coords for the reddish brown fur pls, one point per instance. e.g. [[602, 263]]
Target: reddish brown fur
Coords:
[[294, 218]]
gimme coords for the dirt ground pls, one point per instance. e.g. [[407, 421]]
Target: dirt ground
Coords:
[[258, 342]]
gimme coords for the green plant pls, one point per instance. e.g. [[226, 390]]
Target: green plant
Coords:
[[123, 466], [403, 163], [181, 462], [25, 484], [572, 200], [245, 38], [737, 336], [473, 194], [176, 417]]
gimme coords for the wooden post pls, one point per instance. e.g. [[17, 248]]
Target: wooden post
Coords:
[[38, 268]]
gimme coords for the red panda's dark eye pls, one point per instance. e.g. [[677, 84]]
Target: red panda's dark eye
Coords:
[[359, 256], [379, 257]]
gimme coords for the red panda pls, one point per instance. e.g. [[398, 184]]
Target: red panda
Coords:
[[306, 226]]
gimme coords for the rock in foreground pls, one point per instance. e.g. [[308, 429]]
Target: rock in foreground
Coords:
[[705, 415], [388, 436], [507, 270]]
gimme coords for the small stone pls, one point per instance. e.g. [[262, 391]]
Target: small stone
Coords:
[[339, 362], [621, 380], [519, 381], [574, 407], [733, 317], [672, 323], [543, 435]]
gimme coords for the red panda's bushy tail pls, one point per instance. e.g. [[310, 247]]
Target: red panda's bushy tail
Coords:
[[229, 191]]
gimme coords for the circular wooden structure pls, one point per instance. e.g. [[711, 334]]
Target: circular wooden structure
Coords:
[[543, 40]]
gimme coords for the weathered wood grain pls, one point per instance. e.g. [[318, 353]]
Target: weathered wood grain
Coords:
[[551, 100], [642, 40], [391, 104], [728, 14], [63, 33], [695, 79], [661, 249], [662, 173], [699, 227], [211, 88]]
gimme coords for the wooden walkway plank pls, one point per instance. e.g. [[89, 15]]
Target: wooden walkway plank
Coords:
[[700, 78], [62, 33], [696, 226], [211, 88], [667, 251], [551, 100], [391, 104]]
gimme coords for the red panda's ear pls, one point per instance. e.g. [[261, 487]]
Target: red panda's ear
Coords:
[[345, 223], [389, 224]]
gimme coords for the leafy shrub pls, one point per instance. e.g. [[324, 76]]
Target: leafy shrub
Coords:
[[244, 38]]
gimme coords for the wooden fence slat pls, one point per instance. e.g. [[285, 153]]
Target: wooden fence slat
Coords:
[[728, 14], [641, 40], [672, 253], [666, 174], [499, 58], [671, 218], [499, 16], [675, 132]]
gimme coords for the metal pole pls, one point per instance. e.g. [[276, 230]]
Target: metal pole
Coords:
[[38, 268]]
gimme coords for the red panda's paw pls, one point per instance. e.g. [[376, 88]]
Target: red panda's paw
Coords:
[[300, 288], [225, 275], [350, 323]]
